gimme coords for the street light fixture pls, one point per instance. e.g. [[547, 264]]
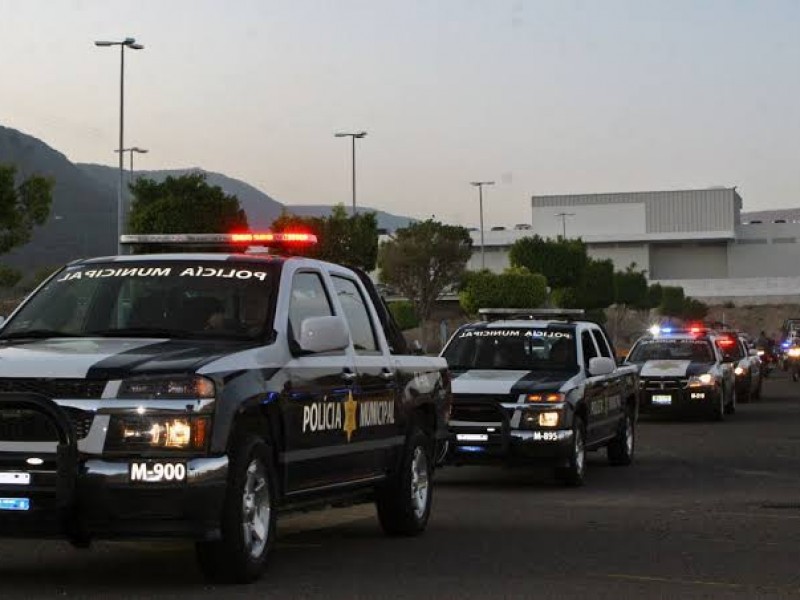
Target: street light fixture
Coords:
[[479, 185], [137, 150], [353, 136], [564, 216], [126, 43]]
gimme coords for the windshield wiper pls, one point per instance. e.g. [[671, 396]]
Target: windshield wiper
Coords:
[[38, 334]]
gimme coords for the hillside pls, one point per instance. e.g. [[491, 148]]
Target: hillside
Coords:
[[261, 209], [83, 217]]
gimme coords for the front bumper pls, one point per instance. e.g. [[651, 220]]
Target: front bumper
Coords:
[[58, 489], [105, 503], [473, 445], [686, 400]]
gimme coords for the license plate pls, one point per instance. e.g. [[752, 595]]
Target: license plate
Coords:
[[157, 472], [661, 399], [15, 504], [15, 478], [472, 437]]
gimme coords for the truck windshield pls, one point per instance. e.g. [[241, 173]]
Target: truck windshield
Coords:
[[549, 349], [170, 299], [693, 350]]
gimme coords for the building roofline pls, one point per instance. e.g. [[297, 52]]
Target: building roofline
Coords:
[[642, 192]]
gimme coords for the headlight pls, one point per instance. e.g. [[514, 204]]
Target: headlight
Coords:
[[549, 419], [166, 387], [703, 380], [760, 352], [139, 432], [794, 352], [739, 371]]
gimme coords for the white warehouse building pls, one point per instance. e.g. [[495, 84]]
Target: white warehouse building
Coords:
[[691, 238]]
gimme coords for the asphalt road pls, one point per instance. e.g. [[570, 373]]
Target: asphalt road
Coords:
[[709, 510]]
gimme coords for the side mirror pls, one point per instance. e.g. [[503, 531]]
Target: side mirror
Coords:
[[601, 365], [753, 352], [323, 334]]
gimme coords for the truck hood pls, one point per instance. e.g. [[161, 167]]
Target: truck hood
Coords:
[[108, 358], [486, 381], [673, 368]]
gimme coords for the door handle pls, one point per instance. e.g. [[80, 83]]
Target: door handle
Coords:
[[349, 376], [387, 374]]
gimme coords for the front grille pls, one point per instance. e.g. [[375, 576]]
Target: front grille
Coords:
[[468, 407], [657, 385], [26, 425], [55, 388]]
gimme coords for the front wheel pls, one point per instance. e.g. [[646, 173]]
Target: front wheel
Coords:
[[620, 450], [248, 518], [575, 472], [404, 501], [730, 407]]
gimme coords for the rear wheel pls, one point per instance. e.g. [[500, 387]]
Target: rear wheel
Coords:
[[575, 472], [621, 449], [248, 518], [730, 407], [404, 501]]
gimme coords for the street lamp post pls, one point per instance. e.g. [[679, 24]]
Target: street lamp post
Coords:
[[479, 185], [564, 216], [126, 43], [353, 137], [131, 151]]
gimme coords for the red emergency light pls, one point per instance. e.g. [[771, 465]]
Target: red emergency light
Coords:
[[287, 237], [726, 342]]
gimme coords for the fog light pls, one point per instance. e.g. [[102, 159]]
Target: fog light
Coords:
[[548, 419], [739, 371]]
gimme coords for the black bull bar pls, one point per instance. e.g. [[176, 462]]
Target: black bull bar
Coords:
[[50, 489]]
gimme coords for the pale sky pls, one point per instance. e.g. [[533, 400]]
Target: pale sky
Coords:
[[543, 97]]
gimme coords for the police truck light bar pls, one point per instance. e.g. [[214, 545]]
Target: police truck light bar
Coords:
[[286, 238]]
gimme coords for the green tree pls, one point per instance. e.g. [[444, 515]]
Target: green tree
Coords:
[[562, 261], [185, 204], [654, 293], [403, 313], [514, 288], [341, 238], [23, 206], [9, 277], [630, 288], [596, 289], [672, 301], [694, 310], [423, 259]]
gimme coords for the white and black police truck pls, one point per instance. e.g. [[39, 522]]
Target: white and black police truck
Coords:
[[539, 386], [197, 393]]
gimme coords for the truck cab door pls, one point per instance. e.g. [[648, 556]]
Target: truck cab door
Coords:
[[379, 428], [318, 405]]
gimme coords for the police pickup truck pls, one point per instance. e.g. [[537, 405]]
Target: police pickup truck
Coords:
[[197, 394], [685, 370], [539, 386]]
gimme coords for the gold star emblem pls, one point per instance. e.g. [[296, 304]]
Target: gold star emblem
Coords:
[[350, 425]]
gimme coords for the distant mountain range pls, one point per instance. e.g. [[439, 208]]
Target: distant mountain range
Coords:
[[84, 212]]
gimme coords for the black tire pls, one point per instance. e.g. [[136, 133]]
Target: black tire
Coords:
[[404, 501], [718, 411], [730, 406], [621, 449], [241, 557], [574, 474]]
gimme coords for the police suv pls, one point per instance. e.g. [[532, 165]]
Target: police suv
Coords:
[[197, 394], [539, 386], [685, 370]]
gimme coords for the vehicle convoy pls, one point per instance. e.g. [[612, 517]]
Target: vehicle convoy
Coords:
[[748, 366], [539, 386], [196, 394], [683, 370]]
